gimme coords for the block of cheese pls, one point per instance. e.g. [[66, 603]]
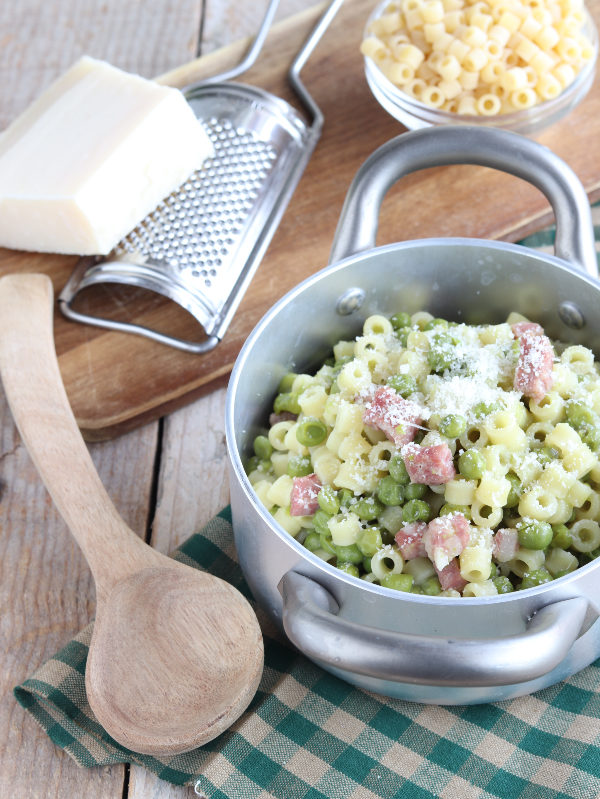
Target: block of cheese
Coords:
[[91, 157]]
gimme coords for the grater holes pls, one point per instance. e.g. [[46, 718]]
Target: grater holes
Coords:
[[199, 223]]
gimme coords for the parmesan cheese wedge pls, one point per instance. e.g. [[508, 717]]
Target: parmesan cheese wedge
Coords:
[[91, 157]]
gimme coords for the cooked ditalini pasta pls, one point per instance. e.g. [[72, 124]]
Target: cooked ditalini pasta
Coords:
[[479, 58], [435, 457]]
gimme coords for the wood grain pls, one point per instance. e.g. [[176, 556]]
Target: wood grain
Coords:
[[117, 381]]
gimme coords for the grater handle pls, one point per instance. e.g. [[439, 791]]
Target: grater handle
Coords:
[[252, 53], [301, 59]]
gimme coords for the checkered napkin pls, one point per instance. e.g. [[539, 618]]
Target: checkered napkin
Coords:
[[309, 735]]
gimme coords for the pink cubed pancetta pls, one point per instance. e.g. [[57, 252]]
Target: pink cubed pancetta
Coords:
[[533, 375], [450, 577], [432, 465], [505, 544], [410, 540], [392, 414], [445, 538], [304, 495]]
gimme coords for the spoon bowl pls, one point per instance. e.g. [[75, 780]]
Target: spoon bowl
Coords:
[[176, 653]]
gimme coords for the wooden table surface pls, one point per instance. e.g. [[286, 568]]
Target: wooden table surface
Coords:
[[167, 479]]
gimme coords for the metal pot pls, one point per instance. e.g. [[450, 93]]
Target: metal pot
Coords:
[[420, 648]]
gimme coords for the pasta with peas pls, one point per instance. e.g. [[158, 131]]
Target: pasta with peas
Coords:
[[479, 57], [462, 461]]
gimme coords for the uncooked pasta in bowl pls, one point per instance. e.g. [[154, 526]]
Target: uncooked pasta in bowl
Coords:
[[504, 63]]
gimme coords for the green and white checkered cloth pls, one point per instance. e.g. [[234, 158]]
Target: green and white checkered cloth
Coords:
[[309, 735]]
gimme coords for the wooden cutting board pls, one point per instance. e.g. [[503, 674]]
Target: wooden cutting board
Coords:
[[117, 381]]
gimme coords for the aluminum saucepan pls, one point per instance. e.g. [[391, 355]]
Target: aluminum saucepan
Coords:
[[415, 647]]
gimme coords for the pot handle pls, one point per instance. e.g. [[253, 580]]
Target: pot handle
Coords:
[[311, 623], [499, 149]]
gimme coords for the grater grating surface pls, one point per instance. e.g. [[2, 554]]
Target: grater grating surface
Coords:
[[195, 229], [201, 246]]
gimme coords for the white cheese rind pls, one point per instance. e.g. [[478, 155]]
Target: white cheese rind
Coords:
[[91, 157]]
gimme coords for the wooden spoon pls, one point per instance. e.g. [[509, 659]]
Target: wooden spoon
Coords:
[[176, 654]]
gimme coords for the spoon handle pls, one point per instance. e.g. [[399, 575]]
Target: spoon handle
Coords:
[[43, 415]]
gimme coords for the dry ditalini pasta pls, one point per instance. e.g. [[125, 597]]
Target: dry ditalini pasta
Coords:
[[439, 458], [480, 57]]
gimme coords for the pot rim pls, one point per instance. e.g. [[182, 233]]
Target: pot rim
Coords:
[[236, 461]]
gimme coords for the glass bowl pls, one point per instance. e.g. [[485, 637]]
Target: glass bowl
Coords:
[[414, 114]]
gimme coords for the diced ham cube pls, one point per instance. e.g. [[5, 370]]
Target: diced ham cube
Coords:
[[410, 540], [533, 375], [505, 544], [532, 328], [304, 495], [392, 414], [450, 577], [432, 465], [445, 538]]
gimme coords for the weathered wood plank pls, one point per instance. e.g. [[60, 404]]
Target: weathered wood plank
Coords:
[[39, 39], [46, 590]]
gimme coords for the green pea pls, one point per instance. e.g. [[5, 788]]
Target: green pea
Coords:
[[431, 586], [416, 589], [367, 508], [448, 508], [397, 469], [286, 382], [339, 365], [402, 335], [503, 584], [312, 542], [434, 323], [348, 554], [311, 432], [442, 353], [535, 535], [320, 520], [346, 497], [299, 466], [562, 537], [255, 462], [399, 582], [471, 464], [370, 541], [416, 510], [592, 437], [579, 415], [286, 401], [252, 464], [405, 385], [328, 500], [515, 490], [263, 447], [493, 570], [535, 577], [483, 409], [415, 491], [546, 454], [399, 320], [349, 568], [453, 425], [327, 544], [389, 491]]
